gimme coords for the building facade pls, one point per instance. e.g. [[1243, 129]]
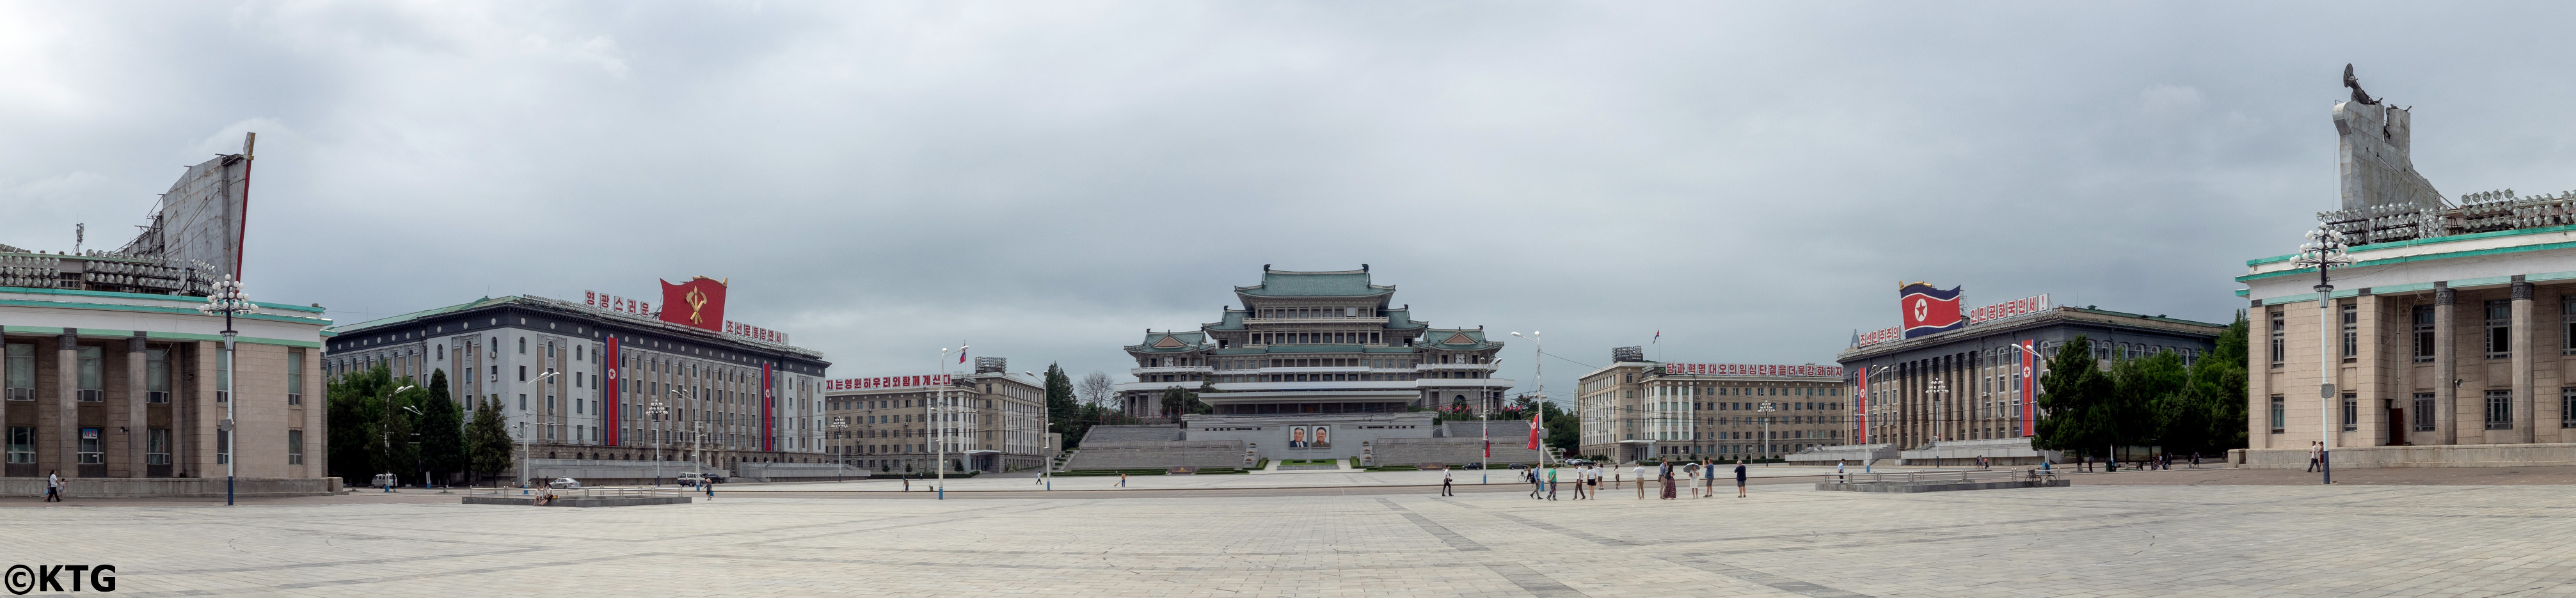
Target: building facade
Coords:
[[2439, 333], [1639, 409], [576, 383], [111, 372], [1972, 385], [994, 421], [1309, 350]]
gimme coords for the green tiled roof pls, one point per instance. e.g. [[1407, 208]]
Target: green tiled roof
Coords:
[[1438, 338], [1188, 341], [1278, 283], [1233, 321]]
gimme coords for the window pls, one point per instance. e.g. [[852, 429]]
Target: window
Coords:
[[442, 352], [156, 446], [156, 376], [2567, 407], [93, 374], [523, 373], [22, 373], [2351, 412], [2424, 333], [22, 444], [2351, 331], [2423, 412], [223, 446], [2567, 324], [2280, 346], [89, 447], [2500, 410], [2499, 329], [523, 402], [2280, 415], [295, 376], [294, 447], [523, 345]]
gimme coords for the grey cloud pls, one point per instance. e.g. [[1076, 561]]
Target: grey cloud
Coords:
[[1047, 181]]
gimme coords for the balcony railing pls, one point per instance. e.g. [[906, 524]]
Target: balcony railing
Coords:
[[1186, 369], [1331, 320], [1456, 366]]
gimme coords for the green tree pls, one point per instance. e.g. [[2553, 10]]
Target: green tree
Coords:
[[487, 442], [355, 412], [396, 452], [442, 430], [2218, 393], [2075, 405], [1064, 410], [1177, 402], [1563, 430], [2149, 395]]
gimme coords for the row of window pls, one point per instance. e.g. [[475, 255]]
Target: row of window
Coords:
[[18, 375], [156, 446], [2498, 409], [2498, 325]]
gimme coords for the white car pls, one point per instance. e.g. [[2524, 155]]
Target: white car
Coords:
[[565, 484]]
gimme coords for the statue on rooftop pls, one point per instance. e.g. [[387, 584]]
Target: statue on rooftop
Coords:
[[2355, 83]]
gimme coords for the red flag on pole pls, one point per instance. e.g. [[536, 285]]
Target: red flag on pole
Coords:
[[1489, 449], [1533, 443]]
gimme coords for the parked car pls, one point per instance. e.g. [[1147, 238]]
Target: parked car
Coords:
[[690, 479], [564, 484]]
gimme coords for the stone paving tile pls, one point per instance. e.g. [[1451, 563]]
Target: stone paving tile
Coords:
[[2252, 541]]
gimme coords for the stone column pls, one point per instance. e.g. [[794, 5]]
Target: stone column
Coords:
[[137, 427], [2523, 427], [67, 377], [2446, 364], [317, 453]]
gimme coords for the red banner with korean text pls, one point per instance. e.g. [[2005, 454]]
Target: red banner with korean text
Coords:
[[611, 385]]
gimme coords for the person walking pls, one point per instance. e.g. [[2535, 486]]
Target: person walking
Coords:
[[710, 485], [53, 486], [1739, 478], [1666, 475], [1538, 488], [1582, 478], [1122, 480], [2315, 449], [1551, 483], [1708, 477], [1595, 482], [1640, 474], [1444, 483], [907, 484]]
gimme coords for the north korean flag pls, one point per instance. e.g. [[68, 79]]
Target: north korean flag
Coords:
[[1929, 310]]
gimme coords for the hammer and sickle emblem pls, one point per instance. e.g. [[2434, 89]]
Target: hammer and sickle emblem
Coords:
[[1922, 308], [697, 301]]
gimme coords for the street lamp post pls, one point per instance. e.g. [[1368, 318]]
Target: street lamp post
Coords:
[[421, 459], [1046, 425], [1766, 409], [1538, 419], [841, 458], [227, 298], [940, 424], [1938, 390], [2324, 251], [657, 410], [526, 468]]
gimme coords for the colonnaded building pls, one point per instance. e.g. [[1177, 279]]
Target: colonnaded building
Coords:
[[1642, 409], [1314, 365], [2440, 351], [114, 380], [1970, 391], [578, 383], [988, 420]]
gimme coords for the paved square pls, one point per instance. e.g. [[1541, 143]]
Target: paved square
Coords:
[[2080, 541]]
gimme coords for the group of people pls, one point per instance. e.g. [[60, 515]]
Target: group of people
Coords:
[[1588, 480], [1674, 477]]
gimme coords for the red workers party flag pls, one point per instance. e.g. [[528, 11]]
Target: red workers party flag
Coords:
[[1929, 310], [1533, 443]]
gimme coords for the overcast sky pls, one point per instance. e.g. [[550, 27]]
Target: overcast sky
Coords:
[[1047, 180]]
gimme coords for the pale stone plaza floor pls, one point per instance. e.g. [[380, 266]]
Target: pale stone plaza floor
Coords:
[[2097, 540], [1298, 479]]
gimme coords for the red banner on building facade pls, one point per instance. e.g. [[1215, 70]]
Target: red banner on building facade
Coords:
[[2029, 382], [612, 410], [885, 382], [768, 410], [1860, 407]]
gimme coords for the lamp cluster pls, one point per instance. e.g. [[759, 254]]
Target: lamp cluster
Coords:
[[227, 299]]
